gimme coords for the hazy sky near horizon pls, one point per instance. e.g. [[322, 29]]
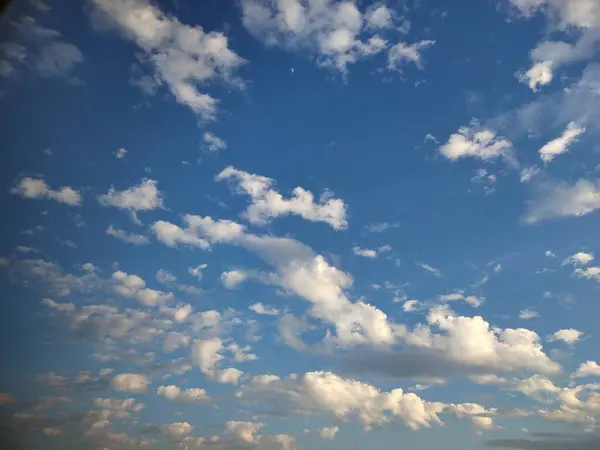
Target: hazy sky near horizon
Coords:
[[298, 224]]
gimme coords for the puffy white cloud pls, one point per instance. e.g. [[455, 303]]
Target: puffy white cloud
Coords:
[[558, 200], [410, 305], [184, 57], [197, 271], [200, 232], [364, 252], [589, 273], [231, 375], [579, 259], [212, 142], [587, 369], [540, 74], [346, 398], [177, 429], [165, 277], [129, 238], [206, 354], [175, 393], [562, 143], [263, 310], [328, 433], [476, 143], [337, 32], [527, 314], [36, 189], [233, 278], [132, 286], [268, 204], [142, 197], [569, 336], [286, 441], [245, 431], [130, 382]]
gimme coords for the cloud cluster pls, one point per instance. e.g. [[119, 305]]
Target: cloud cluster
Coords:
[[183, 57], [36, 188], [336, 32]]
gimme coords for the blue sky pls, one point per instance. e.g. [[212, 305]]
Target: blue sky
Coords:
[[293, 224]]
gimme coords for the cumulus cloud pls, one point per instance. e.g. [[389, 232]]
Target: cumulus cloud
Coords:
[[175, 393], [268, 204], [132, 286], [128, 238], [120, 153], [328, 433], [365, 252], [36, 189], [183, 57], [245, 431], [568, 335], [579, 259], [527, 314], [562, 200], [475, 143], [261, 309], [177, 429], [472, 300], [346, 398], [130, 382], [199, 232], [562, 143], [587, 369], [233, 278], [336, 32], [142, 197]]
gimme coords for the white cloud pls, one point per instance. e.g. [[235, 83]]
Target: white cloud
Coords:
[[130, 382], [587, 369], [562, 15], [163, 276], [364, 252], [549, 254], [115, 405], [337, 32], [176, 430], [245, 431], [132, 286], [129, 238], [142, 197], [410, 305], [200, 232], [430, 269], [476, 143], [261, 309], [540, 74], [268, 204], [184, 57], [589, 273], [213, 143], [472, 300], [328, 433], [346, 398], [558, 200], [401, 53], [562, 143], [120, 153], [206, 354], [174, 393], [37, 188], [579, 259], [569, 336], [233, 278], [527, 314]]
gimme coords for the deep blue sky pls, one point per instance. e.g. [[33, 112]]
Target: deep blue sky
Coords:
[[300, 224]]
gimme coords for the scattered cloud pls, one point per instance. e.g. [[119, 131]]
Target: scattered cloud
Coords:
[[213, 143], [142, 197], [568, 336], [475, 142], [562, 143], [120, 153], [129, 238], [528, 314], [36, 188], [430, 269]]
